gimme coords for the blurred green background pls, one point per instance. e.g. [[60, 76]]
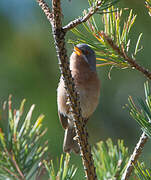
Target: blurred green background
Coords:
[[29, 69]]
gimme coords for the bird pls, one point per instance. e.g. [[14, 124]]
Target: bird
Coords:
[[83, 70]]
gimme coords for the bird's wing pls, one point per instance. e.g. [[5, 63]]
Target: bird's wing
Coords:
[[63, 120]]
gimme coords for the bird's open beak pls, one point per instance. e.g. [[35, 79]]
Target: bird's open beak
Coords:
[[77, 51]]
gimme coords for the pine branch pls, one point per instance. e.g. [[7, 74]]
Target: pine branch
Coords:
[[112, 44], [83, 19], [11, 156], [45, 9], [64, 171], [134, 157], [141, 171], [87, 15], [11, 173], [82, 135], [21, 151], [110, 159], [122, 53], [143, 117]]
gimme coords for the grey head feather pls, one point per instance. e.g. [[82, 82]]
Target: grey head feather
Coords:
[[89, 55]]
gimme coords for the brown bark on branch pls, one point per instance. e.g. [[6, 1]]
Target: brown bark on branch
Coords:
[[59, 38], [134, 157], [83, 19], [45, 9]]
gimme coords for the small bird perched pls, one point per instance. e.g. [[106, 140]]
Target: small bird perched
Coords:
[[83, 70]]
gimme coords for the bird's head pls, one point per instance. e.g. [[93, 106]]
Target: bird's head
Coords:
[[87, 53]]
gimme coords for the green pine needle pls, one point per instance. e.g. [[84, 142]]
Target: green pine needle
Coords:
[[110, 160], [143, 114], [148, 6], [115, 27], [21, 150], [141, 172], [65, 171]]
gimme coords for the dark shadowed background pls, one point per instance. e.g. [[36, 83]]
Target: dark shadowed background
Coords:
[[29, 69]]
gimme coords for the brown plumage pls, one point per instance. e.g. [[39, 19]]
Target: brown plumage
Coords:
[[83, 70]]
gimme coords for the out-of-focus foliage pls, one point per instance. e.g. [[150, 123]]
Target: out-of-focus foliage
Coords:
[[148, 5], [22, 151], [141, 172], [65, 171], [105, 4], [21, 146], [110, 160]]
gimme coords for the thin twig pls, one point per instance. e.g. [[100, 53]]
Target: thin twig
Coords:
[[12, 157], [82, 136], [45, 9], [10, 172], [134, 157], [83, 19], [17, 167], [122, 53]]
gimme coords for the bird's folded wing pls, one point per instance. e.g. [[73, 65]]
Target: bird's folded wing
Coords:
[[63, 120]]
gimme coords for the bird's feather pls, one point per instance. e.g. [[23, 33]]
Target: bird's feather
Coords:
[[63, 120], [70, 143]]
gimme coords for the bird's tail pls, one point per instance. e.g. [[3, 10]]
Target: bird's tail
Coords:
[[70, 144]]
